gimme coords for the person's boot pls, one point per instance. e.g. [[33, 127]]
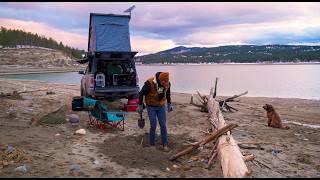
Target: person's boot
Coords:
[[165, 148]]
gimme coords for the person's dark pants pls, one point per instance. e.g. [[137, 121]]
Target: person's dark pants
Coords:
[[154, 113]]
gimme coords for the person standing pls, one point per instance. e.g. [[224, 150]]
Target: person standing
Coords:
[[156, 91]]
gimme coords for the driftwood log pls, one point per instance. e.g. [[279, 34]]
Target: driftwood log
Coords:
[[31, 91], [224, 148], [228, 152]]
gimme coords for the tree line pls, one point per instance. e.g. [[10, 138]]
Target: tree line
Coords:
[[237, 54], [13, 37]]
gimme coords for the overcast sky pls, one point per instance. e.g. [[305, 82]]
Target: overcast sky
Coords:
[[157, 26]]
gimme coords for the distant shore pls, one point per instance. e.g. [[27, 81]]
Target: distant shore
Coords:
[[21, 70], [286, 63]]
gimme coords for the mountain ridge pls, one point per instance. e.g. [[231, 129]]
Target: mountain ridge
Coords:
[[234, 54]]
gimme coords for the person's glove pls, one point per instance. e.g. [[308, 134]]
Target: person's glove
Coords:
[[170, 107], [140, 109]]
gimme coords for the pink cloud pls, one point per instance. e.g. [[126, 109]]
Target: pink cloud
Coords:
[[84, 8], [243, 33], [24, 4], [141, 44], [149, 45]]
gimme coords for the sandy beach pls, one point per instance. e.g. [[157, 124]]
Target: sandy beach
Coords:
[[54, 150]]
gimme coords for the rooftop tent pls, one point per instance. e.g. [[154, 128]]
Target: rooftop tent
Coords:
[[109, 32]]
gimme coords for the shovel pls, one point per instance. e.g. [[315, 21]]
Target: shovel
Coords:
[[141, 121]]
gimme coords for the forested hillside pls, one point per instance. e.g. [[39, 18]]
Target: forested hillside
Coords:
[[236, 54], [17, 38]]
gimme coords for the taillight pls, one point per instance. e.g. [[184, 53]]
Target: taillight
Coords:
[[91, 80]]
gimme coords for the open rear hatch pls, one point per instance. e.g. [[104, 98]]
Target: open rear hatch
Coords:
[[116, 72]]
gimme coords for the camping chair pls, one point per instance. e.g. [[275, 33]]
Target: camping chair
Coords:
[[99, 116]]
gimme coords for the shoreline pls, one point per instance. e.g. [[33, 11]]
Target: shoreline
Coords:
[[21, 71], [14, 71], [210, 64], [258, 97], [173, 92]]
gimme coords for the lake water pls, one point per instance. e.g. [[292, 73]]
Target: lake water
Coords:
[[287, 81]]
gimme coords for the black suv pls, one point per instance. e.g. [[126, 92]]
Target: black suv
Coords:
[[110, 75], [111, 71]]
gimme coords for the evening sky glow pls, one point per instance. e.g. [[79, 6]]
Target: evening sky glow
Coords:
[[157, 26]]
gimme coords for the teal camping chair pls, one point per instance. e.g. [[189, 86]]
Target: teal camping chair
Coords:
[[100, 116]]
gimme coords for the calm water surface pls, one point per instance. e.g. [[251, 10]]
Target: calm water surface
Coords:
[[288, 81]]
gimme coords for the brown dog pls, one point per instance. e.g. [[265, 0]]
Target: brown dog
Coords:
[[273, 117]]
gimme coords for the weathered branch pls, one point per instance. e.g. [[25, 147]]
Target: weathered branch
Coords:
[[205, 141], [203, 100], [215, 88], [235, 96], [214, 148], [212, 155], [242, 146], [223, 103], [193, 103], [255, 160], [191, 143], [230, 107], [211, 159], [256, 143], [249, 157]]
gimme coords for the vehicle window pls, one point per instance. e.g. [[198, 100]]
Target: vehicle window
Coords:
[[115, 67]]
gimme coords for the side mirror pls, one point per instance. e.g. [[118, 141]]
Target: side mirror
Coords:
[[81, 72]]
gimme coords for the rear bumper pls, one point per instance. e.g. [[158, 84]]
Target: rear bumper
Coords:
[[121, 91]]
